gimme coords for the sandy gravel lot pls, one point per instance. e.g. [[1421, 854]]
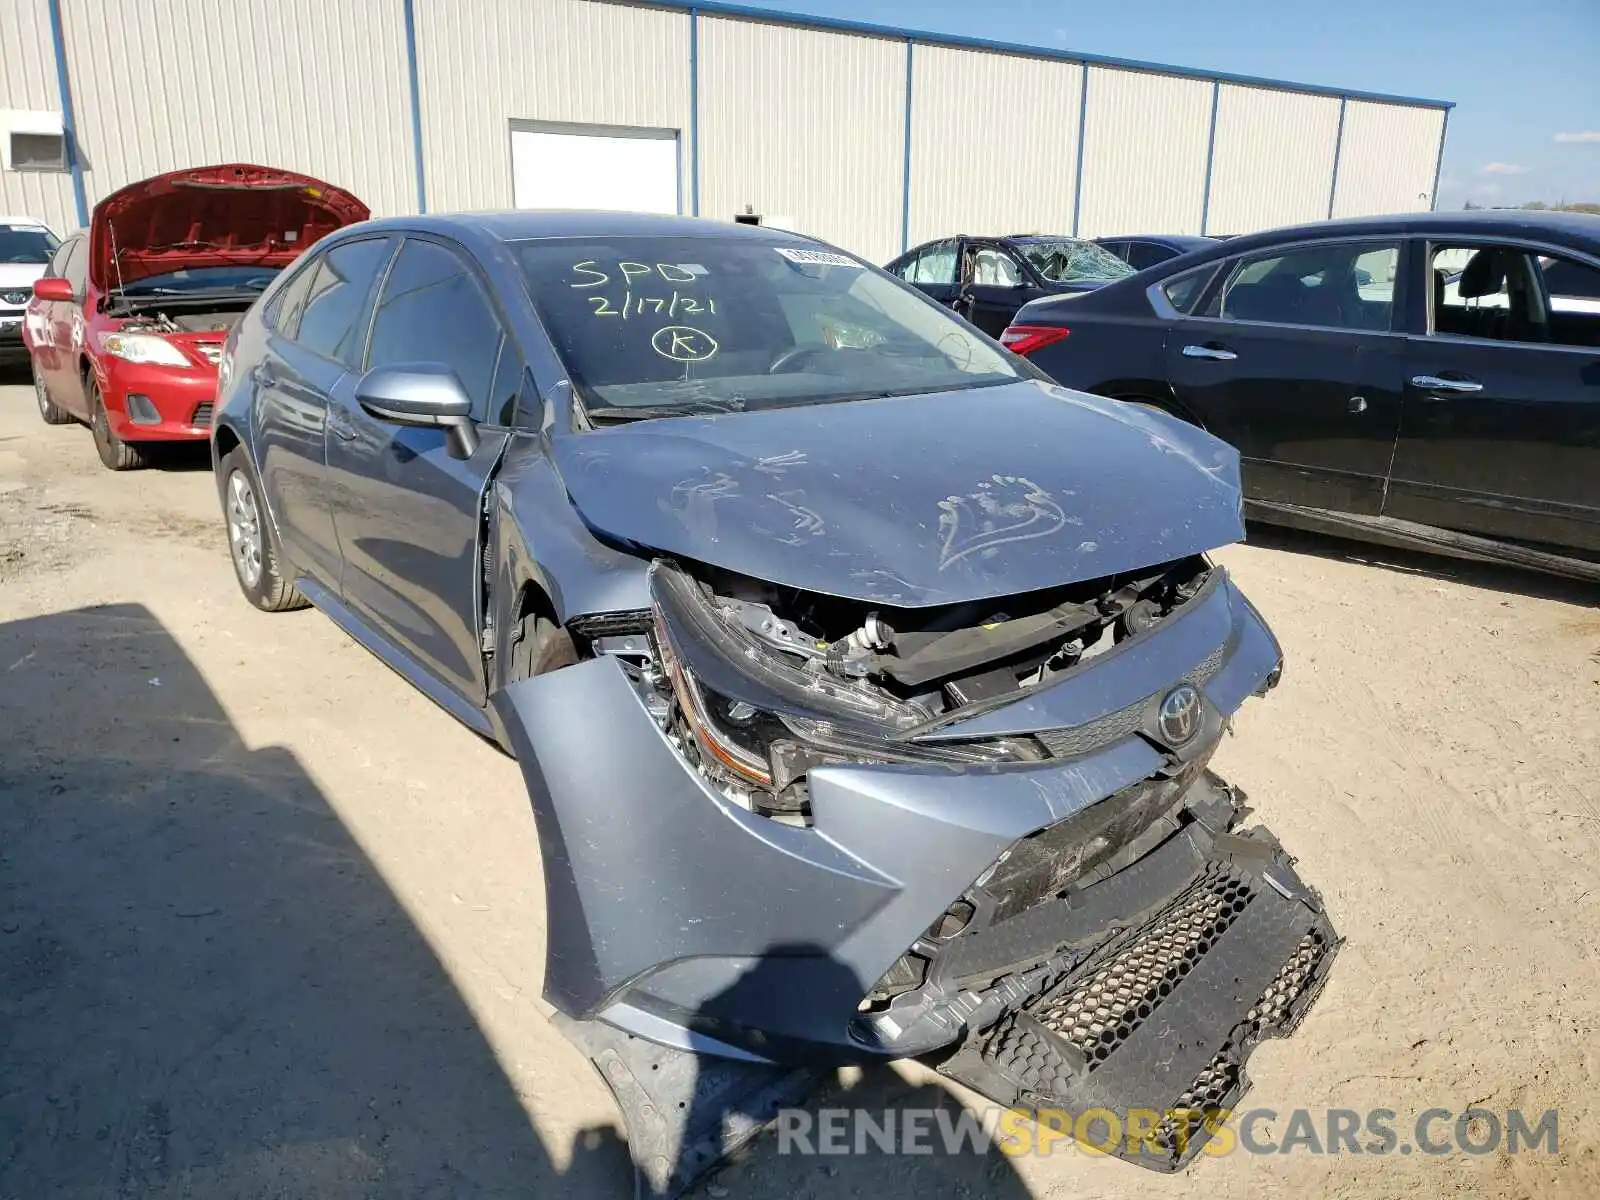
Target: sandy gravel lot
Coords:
[[272, 925]]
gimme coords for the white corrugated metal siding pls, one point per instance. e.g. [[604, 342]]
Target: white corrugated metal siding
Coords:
[[807, 125], [28, 82], [484, 63], [1273, 159], [1387, 159], [306, 85], [967, 172], [1144, 153]]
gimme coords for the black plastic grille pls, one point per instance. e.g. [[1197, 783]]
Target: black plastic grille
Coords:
[[202, 414], [1275, 1013], [1102, 1012]]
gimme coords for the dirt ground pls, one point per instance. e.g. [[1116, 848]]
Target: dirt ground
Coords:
[[272, 925]]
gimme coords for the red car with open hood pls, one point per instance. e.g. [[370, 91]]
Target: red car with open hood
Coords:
[[126, 326]]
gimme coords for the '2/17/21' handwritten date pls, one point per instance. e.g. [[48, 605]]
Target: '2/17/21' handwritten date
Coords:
[[633, 275]]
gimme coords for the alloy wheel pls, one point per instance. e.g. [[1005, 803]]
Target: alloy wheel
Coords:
[[244, 529]]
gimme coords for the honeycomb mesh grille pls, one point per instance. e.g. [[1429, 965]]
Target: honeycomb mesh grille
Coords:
[[1219, 1081], [1102, 1012]]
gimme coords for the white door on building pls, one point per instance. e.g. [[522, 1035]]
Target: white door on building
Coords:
[[594, 166]]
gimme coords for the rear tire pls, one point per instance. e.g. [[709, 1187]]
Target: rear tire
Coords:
[[253, 546], [116, 454], [47, 407]]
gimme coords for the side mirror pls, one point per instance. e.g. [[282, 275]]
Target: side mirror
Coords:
[[53, 288], [422, 395]]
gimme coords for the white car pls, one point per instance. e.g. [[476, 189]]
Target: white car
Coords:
[[26, 246]]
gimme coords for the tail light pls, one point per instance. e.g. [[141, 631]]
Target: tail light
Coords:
[[1025, 339]]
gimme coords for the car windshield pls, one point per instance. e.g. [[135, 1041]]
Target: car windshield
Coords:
[[203, 279], [26, 244], [1064, 260], [653, 326]]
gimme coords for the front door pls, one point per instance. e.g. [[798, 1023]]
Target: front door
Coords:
[[1292, 359], [409, 515], [995, 286], [1501, 435]]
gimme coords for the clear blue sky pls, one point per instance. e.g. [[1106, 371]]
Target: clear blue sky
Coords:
[[1522, 72]]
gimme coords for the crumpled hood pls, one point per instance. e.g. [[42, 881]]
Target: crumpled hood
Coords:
[[914, 501], [211, 217]]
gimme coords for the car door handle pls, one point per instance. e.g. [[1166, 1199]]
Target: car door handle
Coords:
[[1213, 352], [1436, 383]]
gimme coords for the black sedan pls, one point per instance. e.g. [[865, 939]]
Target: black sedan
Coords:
[[1151, 249], [986, 279], [1429, 380]]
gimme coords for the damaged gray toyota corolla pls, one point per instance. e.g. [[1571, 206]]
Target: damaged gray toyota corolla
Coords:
[[865, 683]]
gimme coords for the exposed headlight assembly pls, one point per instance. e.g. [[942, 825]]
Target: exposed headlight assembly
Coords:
[[144, 348], [760, 720]]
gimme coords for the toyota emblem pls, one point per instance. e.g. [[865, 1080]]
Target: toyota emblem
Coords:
[[1180, 715]]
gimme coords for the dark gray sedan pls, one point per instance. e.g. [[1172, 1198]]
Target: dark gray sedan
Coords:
[[864, 681]]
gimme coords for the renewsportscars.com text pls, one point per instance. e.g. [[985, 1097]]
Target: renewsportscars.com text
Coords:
[[1220, 1132]]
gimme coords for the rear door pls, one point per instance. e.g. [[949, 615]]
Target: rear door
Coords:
[[932, 270], [319, 324], [996, 286], [1299, 366], [1501, 435], [408, 513]]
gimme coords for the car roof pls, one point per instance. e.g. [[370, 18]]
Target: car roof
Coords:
[[521, 224], [1194, 240], [26, 222], [1564, 226]]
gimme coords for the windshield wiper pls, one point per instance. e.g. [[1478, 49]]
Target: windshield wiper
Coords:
[[629, 412]]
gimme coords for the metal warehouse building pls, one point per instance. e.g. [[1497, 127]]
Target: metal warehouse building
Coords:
[[869, 137]]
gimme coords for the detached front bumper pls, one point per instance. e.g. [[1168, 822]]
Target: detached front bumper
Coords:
[[147, 403]]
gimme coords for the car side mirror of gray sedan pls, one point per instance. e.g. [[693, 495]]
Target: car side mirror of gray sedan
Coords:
[[422, 395]]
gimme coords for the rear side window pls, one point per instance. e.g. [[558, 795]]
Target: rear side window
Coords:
[[1340, 285], [433, 310], [291, 298], [1183, 290], [336, 300]]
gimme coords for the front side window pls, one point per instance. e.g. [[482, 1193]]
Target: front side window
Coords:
[[58, 260], [336, 299], [433, 310], [934, 266], [26, 244], [1067, 260], [695, 324], [995, 268], [1340, 285], [1509, 294]]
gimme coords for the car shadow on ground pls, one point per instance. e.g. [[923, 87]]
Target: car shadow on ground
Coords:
[[206, 988], [1488, 576]]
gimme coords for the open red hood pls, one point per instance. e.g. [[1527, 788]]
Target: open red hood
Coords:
[[212, 217]]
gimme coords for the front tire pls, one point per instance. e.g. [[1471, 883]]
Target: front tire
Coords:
[[253, 546], [116, 454], [48, 410]]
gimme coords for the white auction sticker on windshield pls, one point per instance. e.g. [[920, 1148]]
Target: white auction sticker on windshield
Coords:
[[816, 258]]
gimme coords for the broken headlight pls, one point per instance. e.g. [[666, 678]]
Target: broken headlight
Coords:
[[756, 722]]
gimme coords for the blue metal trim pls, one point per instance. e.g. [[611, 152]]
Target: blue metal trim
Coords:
[[1338, 149], [717, 9], [1083, 128], [69, 123], [905, 197], [694, 109], [1438, 165], [1211, 154], [416, 105]]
